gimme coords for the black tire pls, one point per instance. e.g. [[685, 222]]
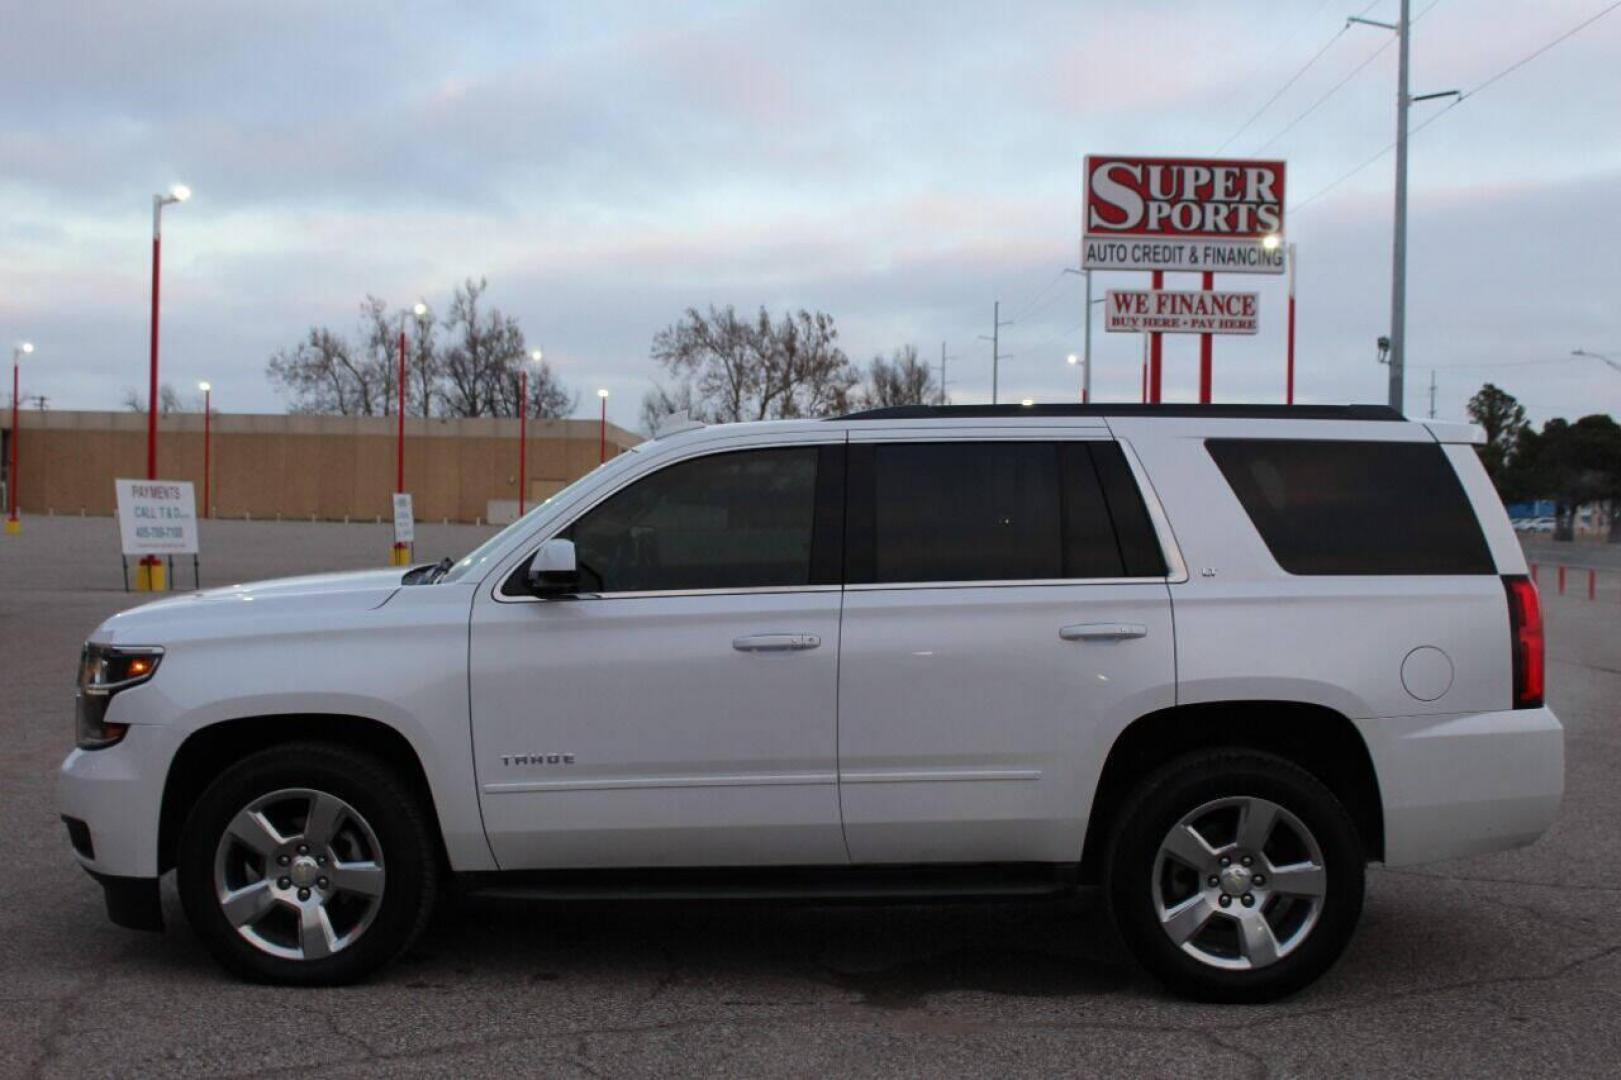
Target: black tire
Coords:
[[1179, 789], [394, 813]]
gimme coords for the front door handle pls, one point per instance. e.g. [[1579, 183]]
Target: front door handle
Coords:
[[776, 642], [1103, 631]]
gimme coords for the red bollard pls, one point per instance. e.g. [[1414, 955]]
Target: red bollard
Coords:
[[1561, 579], [1533, 573], [1592, 584]]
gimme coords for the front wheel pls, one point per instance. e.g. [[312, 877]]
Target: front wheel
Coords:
[[307, 864], [1235, 876]]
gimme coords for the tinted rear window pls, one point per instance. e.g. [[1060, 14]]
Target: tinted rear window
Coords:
[[1355, 507], [996, 511]]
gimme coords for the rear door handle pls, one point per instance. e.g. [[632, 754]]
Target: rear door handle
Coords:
[[776, 642], [1103, 631]]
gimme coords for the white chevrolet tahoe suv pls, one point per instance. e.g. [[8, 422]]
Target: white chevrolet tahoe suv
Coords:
[[1209, 660]]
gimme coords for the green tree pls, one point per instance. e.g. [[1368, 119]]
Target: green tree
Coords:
[[1503, 419], [1573, 464]]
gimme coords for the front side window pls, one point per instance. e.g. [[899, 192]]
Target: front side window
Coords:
[[736, 520]]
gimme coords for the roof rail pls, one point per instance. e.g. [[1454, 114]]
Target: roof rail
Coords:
[[1222, 412]]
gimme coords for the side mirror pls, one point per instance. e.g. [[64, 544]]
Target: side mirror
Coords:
[[553, 571]]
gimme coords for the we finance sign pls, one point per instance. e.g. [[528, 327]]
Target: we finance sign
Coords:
[[1183, 214]]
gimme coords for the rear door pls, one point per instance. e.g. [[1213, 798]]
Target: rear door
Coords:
[[1006, 602]]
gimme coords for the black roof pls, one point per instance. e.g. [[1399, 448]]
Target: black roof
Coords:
[[1224, 412]]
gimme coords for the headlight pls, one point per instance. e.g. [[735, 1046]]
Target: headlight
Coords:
[[104, 670]]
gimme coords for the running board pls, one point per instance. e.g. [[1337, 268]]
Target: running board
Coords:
[[893, 883]]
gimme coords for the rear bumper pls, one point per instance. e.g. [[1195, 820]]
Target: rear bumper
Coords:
[[1465, 784]]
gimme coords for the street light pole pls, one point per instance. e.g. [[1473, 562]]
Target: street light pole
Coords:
[[602, 430], [1289, 377], [177, 194], [523, 427], [22, 349], [208, 415]]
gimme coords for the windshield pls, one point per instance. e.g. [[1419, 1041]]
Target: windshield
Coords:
[[476, 558]]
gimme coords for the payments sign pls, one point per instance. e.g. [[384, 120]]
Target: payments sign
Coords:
[[1174, 312], [404, 521], [1183, 214], [157, 517]]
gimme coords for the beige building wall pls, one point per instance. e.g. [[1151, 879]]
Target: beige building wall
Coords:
[[328, 467]]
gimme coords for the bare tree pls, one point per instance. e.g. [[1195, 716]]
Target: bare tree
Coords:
[[322, 375], [659, 404], [728, 369], [549, 399], [425, 367], [481, 363], [168, 400], [381, 360], [900, 380], [476, 374]]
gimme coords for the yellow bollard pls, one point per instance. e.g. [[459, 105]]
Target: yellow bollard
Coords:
[[150, 576], [13, 526], [401, 555]]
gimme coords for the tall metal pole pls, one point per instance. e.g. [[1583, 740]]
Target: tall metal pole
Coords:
[[523, 432], [942, 393], [1398, 269], [1432, 393], [602, 429], [1289, 378], [1086, 344], [996, 347]]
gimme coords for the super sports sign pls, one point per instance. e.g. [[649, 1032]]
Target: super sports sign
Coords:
[[1183, 214]]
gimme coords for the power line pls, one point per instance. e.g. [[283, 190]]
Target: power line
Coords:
[[1315, 105], [1459, 100], [1290, 81]]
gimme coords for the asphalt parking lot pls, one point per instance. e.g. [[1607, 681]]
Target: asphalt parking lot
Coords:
[[1506, 964]]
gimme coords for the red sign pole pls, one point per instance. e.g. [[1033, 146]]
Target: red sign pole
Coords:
[[401, 552], [523, 432], [1289, 391], [11, 522], [1156, 354], [1206, 349], [208, 410]]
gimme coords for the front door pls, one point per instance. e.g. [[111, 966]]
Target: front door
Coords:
[[999, 620], [681, 711]]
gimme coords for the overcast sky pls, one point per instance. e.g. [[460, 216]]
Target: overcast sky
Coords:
[[898, 165]]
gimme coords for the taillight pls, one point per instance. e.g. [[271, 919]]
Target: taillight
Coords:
[[1525, 636]]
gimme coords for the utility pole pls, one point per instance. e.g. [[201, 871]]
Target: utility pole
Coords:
[[1398, 246], [1398, 264], [996, 346], [942, 389], [1432, 393]]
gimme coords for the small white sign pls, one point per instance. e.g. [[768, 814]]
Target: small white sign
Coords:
[[157, 517], [1170, 311], [1195, 256], [404, 522]]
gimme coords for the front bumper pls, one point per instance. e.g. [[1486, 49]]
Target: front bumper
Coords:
[[118, 794], [1464, 784]]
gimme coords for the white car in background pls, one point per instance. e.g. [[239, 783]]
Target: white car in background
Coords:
[[1180, 654]]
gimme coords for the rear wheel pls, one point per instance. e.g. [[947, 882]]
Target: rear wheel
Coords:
[[1235, 876], [307, 864]]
